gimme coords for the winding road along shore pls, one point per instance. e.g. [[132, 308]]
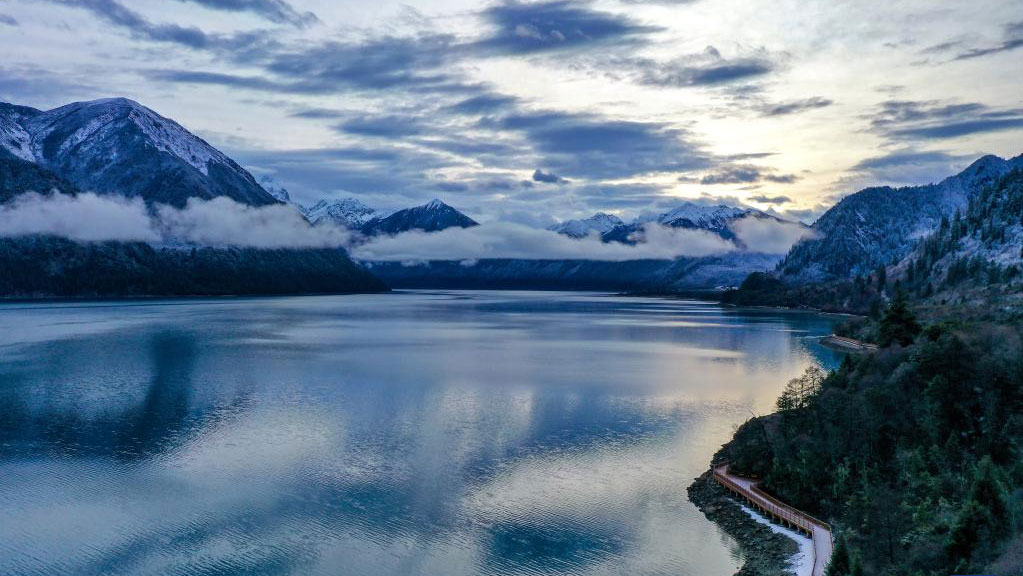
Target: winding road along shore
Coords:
[[819, 531]]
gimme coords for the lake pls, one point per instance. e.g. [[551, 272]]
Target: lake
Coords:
[[433, 433]]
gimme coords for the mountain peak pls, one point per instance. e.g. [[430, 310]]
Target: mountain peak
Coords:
[[433, 216], [348, 212], [600, 222], [118, 146]]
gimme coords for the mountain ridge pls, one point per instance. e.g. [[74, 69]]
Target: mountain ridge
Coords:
[[118, 146], [879, 225]]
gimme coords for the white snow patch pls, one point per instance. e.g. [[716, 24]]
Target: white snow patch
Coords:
[[801, 562]]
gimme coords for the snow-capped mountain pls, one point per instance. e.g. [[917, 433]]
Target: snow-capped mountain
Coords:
[[431, 217], [716, 219], [274, 189], [347, 212], [13, 136], [601, 223], [118, 146], [877, 226]]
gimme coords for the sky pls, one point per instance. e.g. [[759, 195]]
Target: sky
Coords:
[[536, 112]]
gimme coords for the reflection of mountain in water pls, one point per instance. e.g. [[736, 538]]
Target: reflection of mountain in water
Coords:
[[297, 436]]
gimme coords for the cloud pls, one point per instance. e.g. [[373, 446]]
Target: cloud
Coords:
[[590, 146], [8, 20], [224, 222], [744, 174], [526, 28], [316, 113], [115, 13], [84, 218], [763, 199], [511, 240], [380, 126], [483, 104], [217, 222], [1012, 40], [705, 68], [794, 106], [732, 175], [273, 10], [902, 167], [965, 128], [547, 177], [29, 83], [936, 120], [769, 236]]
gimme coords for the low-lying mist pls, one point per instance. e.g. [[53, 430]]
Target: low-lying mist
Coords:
[[223, 222]]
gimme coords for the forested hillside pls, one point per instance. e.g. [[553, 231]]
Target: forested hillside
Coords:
[[973, 260], [55, 267], [913, 453], [879, 226]]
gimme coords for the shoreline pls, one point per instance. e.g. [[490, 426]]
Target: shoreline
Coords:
[[765, 551]]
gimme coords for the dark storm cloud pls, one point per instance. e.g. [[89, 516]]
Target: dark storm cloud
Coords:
[[525, 28], [591, 146], [932, 120], [1012, 39], [273, 10], [795, 106]]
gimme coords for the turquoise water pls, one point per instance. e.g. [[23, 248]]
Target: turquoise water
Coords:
[[410, 433]]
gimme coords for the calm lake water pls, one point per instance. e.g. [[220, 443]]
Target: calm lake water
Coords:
[[425, 433]]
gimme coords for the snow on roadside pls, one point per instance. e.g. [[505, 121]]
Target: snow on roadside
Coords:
[[801, 562]]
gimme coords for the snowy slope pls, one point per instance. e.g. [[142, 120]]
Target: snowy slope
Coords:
[[600, 223], [347, 212], [117, 146], [13, 136], [716, 219], [431, 217], [878, 226], [275, 189]]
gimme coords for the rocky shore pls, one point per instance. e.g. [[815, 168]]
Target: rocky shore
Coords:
[[766, 553]]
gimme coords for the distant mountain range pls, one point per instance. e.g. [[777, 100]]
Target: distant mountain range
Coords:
[[718, 219], [433, 216], [119, 147]]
